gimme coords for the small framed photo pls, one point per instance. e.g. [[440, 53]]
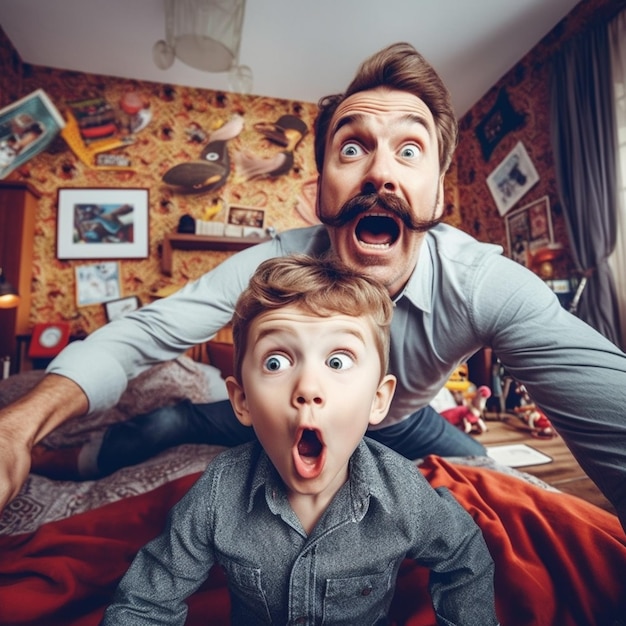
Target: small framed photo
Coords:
[[513, 177], [97, 283], [528, 229], [114, 309], [244, 221], [102, 223]]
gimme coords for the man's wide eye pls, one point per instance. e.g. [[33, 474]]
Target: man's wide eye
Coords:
[[340, 362], [351, 149], [410, 151], [276, 362]]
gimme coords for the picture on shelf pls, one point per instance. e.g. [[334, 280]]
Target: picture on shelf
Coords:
[[512, 179], [243, 221], [102, 223]]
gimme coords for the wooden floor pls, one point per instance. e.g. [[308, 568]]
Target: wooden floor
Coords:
[[563, 472]]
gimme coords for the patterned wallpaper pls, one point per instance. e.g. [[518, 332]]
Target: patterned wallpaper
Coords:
[[183, 121], [527, 85]]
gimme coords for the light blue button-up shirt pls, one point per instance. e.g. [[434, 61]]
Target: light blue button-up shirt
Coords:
[[463, 295]]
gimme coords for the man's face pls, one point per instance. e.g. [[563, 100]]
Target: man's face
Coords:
[[381, 142], [310, 387]]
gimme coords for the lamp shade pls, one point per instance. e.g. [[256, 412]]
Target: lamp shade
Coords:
[[9, 297], [204, 34]]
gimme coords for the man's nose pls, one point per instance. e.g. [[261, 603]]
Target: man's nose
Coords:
[[380, 176]]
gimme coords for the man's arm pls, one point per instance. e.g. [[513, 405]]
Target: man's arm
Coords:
[[25, 422]]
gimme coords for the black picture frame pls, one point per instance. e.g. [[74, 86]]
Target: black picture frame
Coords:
[[499, 121]]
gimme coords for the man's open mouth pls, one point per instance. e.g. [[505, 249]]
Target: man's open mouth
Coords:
[[377, 230]]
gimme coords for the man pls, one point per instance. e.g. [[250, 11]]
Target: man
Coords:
[[382, 150]]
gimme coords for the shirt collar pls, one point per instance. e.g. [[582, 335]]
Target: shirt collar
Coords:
[[419, 288]]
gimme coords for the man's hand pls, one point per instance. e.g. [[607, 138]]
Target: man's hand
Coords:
[[28, 420], [14, 467]]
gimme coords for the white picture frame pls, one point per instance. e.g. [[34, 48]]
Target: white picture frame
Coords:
[[105, 223], [114, 309], [97, 283], [512, 178]]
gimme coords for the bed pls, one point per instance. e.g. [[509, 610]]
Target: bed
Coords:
[[65, 545]]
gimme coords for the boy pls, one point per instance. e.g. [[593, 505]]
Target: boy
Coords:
[[312, 522]]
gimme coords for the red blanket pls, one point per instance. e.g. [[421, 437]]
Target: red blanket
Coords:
[[559, 560]]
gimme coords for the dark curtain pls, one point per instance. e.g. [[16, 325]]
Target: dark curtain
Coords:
[[584, 143]]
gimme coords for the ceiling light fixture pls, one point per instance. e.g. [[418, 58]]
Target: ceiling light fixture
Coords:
[[206, 35]]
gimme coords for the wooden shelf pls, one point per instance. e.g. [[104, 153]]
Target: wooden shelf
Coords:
[[181, 241]]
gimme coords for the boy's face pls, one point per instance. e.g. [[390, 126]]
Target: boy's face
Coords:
[[310, 387]]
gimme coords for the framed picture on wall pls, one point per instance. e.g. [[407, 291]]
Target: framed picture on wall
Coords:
[[114, 309], [97, 283], [102, 223], [512, 179], [528, 229]]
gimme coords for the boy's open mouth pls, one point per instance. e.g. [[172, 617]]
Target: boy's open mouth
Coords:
[[377, 230], [309, 454]]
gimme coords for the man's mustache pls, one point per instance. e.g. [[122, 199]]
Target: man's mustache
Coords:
[[388, 201]]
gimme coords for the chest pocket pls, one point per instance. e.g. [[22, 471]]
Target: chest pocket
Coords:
[[359, 599], [248, 599]]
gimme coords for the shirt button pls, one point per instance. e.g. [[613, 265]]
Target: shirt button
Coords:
[[366, 590]]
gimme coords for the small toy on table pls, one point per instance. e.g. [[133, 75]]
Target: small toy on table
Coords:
[[461, 403]]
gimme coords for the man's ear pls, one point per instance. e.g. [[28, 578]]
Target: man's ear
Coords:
[[238, 400], [318, 191], [382, 399]]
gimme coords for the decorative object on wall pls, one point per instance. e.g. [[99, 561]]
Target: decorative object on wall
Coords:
[[97, 283], [288, 131], [211, 170], [88, 153], [114, 309], [512, 178], [48, 339], [499, 121], [528, 230], [26, 128], [205, 34], [102, 223]]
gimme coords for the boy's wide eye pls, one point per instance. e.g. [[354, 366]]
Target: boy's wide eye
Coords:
[[340, 362], [276, 362]]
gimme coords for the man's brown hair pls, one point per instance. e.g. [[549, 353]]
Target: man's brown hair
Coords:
[[400, 67]]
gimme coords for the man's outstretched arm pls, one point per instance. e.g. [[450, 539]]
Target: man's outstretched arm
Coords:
[[28, 420]]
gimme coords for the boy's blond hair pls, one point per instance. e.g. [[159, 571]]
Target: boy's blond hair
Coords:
[[322, 287]]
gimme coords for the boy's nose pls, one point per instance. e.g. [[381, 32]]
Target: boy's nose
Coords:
[[307, 390]]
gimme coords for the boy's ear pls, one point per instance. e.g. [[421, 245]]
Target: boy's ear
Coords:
[[238, 400], [382, 399]]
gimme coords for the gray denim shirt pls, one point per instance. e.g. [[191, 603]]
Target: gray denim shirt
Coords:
[[237, 515]]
